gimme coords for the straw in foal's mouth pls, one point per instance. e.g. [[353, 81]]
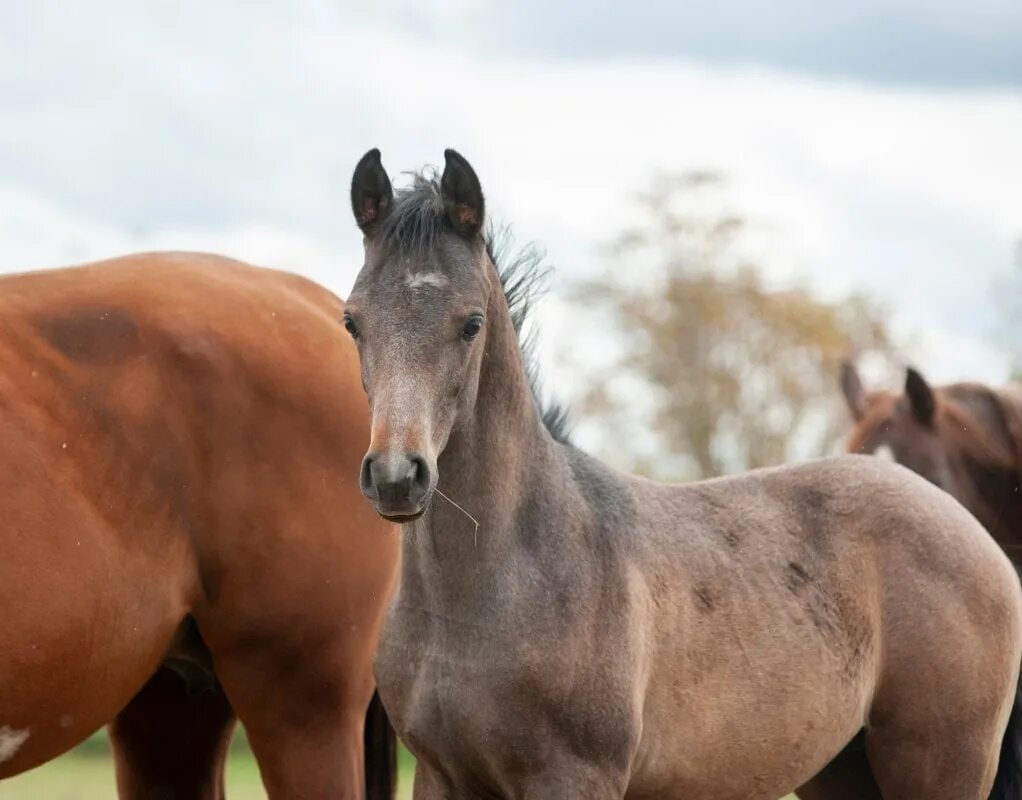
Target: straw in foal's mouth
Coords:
[[475, 533]]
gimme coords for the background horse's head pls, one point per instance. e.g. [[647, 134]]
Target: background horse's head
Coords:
[[906, 427], [419, 313], [965, 438]]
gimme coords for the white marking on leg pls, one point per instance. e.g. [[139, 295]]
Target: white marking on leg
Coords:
[[11, 741], [435, 279]]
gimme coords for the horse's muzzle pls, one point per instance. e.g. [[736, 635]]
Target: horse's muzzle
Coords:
[[397, 485]]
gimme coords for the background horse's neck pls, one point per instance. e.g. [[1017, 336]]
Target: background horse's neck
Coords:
[[997, 502], [993, 469]]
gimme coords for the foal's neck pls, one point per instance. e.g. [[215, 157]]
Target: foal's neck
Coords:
[[490, 468]]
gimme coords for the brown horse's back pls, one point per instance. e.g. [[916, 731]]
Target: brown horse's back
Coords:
[[180, 436]]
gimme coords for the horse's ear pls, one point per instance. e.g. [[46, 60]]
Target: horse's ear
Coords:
[[851, 386], [462, 194], [371, 192], [920, 396]]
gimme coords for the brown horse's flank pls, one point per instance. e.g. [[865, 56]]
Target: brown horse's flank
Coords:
[[820, 627], [184, 540], [91, 335]]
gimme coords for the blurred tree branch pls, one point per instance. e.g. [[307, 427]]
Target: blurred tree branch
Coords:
[[736, 370]]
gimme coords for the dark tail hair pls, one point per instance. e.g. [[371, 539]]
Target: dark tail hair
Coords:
[[1008, 783], [380, 752]]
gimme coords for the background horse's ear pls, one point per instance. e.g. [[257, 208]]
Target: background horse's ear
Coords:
[[851, 385], [920, 396], [371, 192], [462, 194]]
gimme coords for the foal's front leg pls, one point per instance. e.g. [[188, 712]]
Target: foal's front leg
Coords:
[[428, 785], [574, 782]]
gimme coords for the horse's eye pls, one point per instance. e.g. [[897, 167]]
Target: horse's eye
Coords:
[[472, 327], [350, 326]]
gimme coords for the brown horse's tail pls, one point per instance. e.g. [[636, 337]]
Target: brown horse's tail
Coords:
[[1008, 783], [380, 753]]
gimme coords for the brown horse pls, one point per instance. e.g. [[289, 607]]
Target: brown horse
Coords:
[[184, 539], [562, 630], [965, 438]]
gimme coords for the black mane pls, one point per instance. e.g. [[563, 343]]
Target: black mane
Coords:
[[415, 225]]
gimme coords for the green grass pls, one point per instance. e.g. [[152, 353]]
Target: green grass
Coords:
[[87, 773]]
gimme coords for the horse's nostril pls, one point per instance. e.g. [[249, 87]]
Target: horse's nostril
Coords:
[[419, 472], [395, 480], [366, 475]]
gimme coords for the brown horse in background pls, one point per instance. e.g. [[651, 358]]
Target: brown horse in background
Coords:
[[965, 438], [184, 538]]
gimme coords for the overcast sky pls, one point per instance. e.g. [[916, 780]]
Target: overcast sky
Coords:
[[881, 140]]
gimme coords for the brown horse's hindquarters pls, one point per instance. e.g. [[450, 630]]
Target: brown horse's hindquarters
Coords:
[[166, 417], [85, 622]]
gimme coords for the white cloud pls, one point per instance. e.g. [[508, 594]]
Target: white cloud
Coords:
[[35, 234], [126, 128]]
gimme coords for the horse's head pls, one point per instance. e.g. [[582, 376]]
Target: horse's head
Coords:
[[418, 314], [902, 427], [962, 437]]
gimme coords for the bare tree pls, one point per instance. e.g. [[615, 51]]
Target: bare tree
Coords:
[[735, 374]]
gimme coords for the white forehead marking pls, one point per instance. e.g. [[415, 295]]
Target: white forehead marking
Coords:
[[437, 279], [885, 452], [10, 741]]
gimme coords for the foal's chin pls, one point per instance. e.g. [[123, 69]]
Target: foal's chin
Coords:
[[403, 514], [401, 518]]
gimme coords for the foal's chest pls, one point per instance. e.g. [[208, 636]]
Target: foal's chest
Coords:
[[485, 708], [449, 686]]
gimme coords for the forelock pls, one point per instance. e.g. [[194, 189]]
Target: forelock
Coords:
[[416, 222]]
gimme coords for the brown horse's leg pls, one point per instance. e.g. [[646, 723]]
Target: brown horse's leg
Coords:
[[304, 713], [847, 777], [171, 741]]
